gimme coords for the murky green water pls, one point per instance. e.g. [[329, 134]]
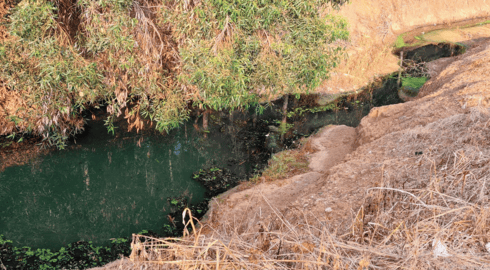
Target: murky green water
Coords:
[[106, 186]]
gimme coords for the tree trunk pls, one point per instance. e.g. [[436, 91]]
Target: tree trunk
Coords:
[[205, 118], [284, 116], [398, 83], [285, 109]]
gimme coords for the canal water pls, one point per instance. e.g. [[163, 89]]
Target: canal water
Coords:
[[105, 186]]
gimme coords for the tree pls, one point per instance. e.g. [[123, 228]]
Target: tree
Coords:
[[157, 60]]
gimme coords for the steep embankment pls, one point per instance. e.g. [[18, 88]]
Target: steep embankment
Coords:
[[390, 138], [415, 192]]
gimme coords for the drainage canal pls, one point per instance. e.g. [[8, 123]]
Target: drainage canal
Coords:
[[106, 186]]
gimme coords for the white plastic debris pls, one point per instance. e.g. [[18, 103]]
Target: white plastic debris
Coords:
[[487, 246], [440, 249], [329, 209]]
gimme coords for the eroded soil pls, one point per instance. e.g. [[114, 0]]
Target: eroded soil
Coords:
[[387, 140]]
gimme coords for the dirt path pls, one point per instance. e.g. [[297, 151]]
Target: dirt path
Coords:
[[249, 207]]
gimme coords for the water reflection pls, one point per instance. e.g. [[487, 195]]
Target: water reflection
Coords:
[[104, 189]]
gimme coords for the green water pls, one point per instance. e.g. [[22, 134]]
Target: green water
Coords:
[[106, 186]]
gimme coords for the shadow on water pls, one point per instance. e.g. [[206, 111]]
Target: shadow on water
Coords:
[[432, 52]]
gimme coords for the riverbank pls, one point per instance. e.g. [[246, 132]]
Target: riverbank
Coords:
[[375, 25], [407, 188], [411, 191], [286, 223]]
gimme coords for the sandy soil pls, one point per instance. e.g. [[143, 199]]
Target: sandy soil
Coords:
[[249, 207], [340, 176]]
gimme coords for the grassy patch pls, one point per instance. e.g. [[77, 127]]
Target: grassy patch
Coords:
[[400, 43], [477, 24], [413, 83], [286, 164]]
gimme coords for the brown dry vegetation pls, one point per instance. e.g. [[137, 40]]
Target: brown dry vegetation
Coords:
[[287, 163], [6, 98]]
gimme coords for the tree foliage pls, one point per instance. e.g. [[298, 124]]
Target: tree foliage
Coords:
[[236, 51], [153, 59]]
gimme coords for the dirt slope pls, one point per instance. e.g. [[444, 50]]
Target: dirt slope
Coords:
[[452, 94], [375, 24], [426, 144], [247, 208]]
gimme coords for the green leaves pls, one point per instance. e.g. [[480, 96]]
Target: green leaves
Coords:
[[219, 54], [53, 78], [32, 19], [236, 50], [79, 255]]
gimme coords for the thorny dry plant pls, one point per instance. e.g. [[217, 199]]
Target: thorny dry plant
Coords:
[[415, 69]]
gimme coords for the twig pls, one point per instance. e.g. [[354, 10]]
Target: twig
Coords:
[[277, 214], [415, 197], [3, 266], [352, 247]]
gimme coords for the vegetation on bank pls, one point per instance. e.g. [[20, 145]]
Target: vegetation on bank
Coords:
[[79, 255], [156, 60]]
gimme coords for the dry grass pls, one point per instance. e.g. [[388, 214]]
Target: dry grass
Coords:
[[287, 163], [292, 243]]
